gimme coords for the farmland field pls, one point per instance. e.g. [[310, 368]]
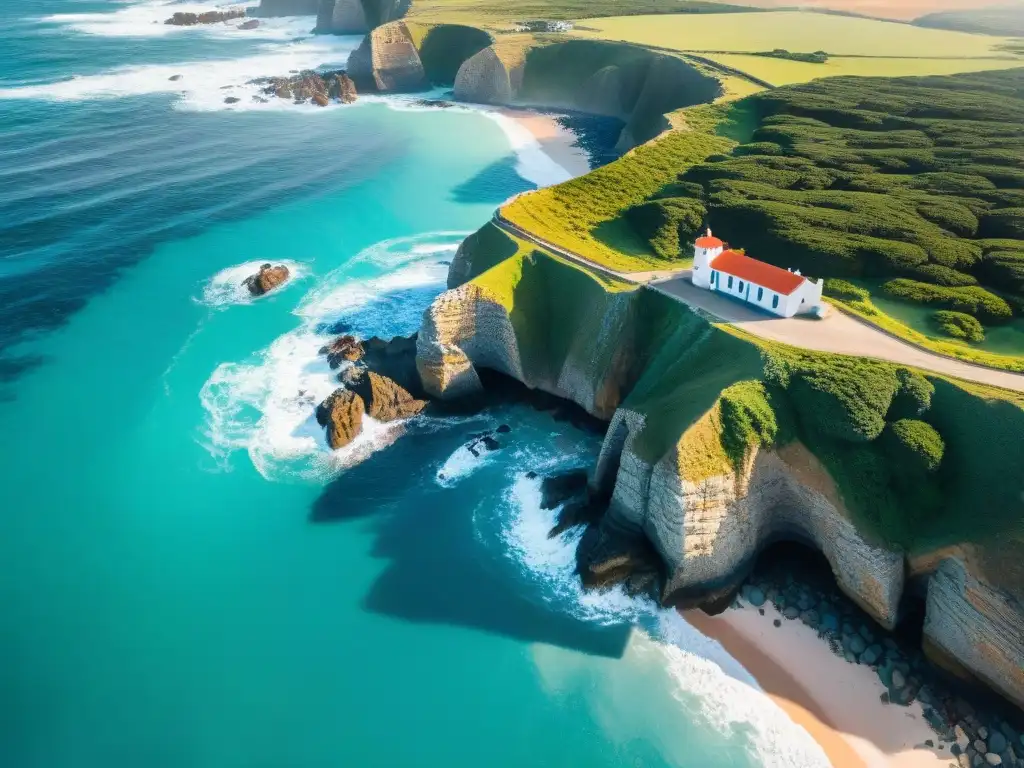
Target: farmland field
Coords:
[[784, 72], [794, 31]]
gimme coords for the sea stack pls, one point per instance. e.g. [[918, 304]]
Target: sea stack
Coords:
[[267, 279]]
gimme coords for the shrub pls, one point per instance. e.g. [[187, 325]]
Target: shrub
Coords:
[[937, 274], [748, 419], [1004, 268], [913, 397], [758, 148], [845, 290], [959, 326], [972, 300], [666, 223], [844, 399], [914, 447]]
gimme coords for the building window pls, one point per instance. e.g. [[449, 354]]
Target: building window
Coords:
[[741, 286], [714, 277], [775, 302], [760, 293], [729, 285]]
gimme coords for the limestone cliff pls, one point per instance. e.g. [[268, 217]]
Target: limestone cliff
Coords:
[[656, 371], [709, 527], [341, 17], [387, 60], [618, 80]]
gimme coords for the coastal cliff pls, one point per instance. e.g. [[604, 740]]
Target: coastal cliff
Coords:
[[387, 60], [718, 447]]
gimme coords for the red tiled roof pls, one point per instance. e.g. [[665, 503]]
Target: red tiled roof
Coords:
[[709, 242], [757, 272]]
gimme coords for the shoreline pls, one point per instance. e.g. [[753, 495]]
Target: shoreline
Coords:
[[838, 703], [555, 142]]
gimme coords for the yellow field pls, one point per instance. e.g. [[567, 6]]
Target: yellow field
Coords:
[[784, 72], [799, 32], [903, 10]]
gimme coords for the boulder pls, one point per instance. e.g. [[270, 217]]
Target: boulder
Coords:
[[754, 596], [342, 415], [267, 279], [996, 742], [345, 87], [174, 78], [898, 681], [342, 349], [385, 400], [208, 17], [320, 99], [231, 100], [993, 759], [250, 24]]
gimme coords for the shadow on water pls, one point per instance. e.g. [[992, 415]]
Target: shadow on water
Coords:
[[494, 184], [440, 569]]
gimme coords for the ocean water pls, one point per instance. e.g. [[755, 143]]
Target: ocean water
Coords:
[[189, 578]]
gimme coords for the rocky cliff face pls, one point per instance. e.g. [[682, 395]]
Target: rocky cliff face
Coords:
[[707, 521], [486, 78], [708, 530], [387, 60], [341, 17]]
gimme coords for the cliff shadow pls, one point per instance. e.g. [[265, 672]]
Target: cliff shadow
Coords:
[[447, 559]]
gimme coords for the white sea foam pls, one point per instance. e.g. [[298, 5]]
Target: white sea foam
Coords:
[[461, 464], [266, 405], [203, 85], [146, 19], [228, 287], [532, 162], [700, 669]]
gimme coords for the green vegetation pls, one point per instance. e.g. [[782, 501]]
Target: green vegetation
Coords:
[[587, 215], [818, 57], [503, 13], [971, 300], [1003, 19], [913, 456], [959, 326], [668, 224]]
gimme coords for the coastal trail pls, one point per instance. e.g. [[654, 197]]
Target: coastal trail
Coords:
[[838, 333]]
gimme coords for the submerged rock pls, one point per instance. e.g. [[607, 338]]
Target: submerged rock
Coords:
[[250, 24], [342, 414], [267, 279], [174, 78], [343, 348], [231, 100], [181, 19]]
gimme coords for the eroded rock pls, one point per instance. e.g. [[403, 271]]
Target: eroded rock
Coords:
[[181, 19], [385, 400], [267, 279], [310, 86], [342, 415]]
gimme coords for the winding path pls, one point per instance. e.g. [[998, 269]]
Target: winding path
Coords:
[[838, 333]]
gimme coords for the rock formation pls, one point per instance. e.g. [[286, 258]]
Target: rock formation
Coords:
[[387, 60], [385, 400], [250, 24], [315, 87], [344, 348], [348, 17], [271, 8], [692, 527], [267, 279], [342, 415], [491, 76], [208, 17]]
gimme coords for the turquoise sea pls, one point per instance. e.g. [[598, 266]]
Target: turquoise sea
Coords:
[[189, 578]]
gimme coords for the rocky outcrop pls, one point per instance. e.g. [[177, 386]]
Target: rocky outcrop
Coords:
[[708, 530], [267, 279], [974, 629], [387, 60], [208, 17], [271, 8], [486, 78], [250, 24], [342, 415], [385, 400], [320, 88], [343, 349]]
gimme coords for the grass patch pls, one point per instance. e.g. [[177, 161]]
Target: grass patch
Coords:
[[577, 215]]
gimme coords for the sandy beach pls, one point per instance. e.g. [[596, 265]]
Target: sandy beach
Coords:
[[558, 143], [838, 703]]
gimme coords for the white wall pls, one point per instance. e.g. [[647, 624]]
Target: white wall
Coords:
[[702, 258]]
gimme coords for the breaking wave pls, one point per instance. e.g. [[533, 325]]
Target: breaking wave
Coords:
[[266, 405], [700, 670]]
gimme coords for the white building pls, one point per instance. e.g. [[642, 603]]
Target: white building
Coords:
[[779, 291]]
